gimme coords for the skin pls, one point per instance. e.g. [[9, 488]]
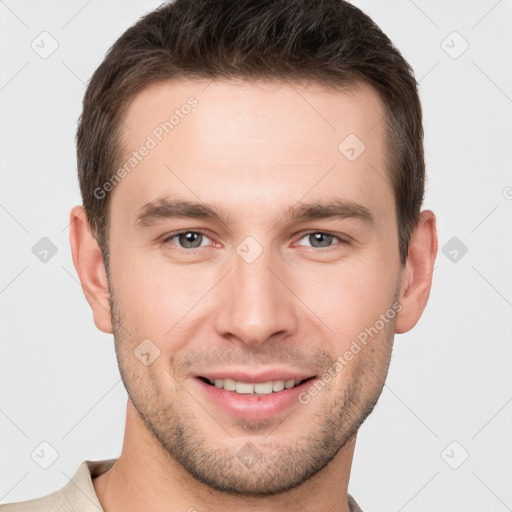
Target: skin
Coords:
[[252, 149]]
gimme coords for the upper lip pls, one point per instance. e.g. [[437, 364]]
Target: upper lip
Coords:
[[240, 375]]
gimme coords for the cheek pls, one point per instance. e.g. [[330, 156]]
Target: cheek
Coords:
[[157, 300], [349, 299]]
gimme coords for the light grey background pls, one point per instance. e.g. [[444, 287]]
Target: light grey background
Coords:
[[449, 379]]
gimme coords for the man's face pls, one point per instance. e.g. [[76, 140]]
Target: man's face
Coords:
[[257, 296]]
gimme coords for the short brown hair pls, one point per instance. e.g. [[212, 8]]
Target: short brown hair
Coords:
[[329, 42]]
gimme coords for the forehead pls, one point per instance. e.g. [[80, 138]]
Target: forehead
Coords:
[[234, 140], [256, 110]]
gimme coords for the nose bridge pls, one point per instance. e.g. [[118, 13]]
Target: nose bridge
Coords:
[[257, 304]]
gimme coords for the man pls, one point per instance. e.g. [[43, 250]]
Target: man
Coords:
[[251, 233]]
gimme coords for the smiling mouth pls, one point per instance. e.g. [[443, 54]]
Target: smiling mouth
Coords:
[[261, 388]]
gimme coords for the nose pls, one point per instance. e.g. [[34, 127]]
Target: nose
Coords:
[[258, 303]]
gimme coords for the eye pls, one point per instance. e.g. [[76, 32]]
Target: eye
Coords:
[[320, 239], [187, 239]]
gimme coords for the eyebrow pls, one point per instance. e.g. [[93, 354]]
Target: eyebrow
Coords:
[[165, 208]]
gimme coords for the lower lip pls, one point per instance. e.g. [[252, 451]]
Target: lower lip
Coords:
[[254, 407]]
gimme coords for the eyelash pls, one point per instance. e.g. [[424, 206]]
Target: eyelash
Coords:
[[168, 239]]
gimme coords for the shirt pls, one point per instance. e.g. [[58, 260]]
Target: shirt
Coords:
[[78, 495]]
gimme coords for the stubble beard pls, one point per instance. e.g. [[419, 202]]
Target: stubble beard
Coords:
[[264, 467]]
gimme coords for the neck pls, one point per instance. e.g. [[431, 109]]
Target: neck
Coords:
[[145, 474]]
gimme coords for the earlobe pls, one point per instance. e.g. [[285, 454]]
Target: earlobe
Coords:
[[89, 265], [418, 271]]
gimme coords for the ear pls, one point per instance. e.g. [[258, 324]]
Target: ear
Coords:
[[90, 268], [417, 273]]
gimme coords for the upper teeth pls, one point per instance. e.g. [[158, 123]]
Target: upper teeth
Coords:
[[262, 388]]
